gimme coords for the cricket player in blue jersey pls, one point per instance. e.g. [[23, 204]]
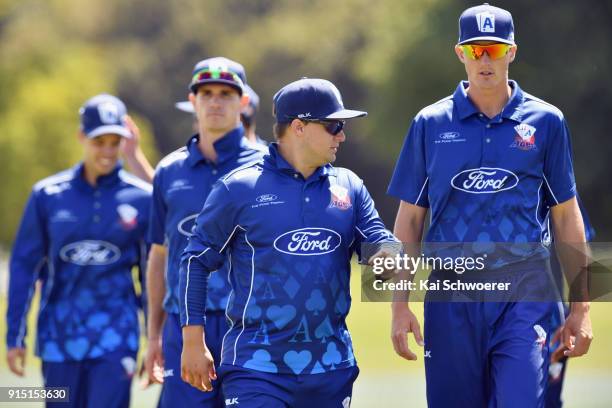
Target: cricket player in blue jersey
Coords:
[[287, 225], [182, 181], [82, 232], [485, 161]]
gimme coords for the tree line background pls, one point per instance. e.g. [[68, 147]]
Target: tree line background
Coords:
[[390, 57]]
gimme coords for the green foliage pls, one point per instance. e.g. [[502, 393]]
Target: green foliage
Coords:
[[391, 58]]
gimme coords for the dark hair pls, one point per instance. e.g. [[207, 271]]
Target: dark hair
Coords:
[[279, 129]]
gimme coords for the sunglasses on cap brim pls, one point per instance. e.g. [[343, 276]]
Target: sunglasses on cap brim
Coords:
[[222, 75]]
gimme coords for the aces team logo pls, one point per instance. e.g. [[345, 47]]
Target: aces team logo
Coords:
[[340, 197], [525, 137], [128, 216]]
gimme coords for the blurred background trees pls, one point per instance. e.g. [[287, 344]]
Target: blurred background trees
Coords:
[[390, 58]]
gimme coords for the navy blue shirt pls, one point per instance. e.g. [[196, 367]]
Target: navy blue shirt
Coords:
[[82, 242], [289, 242], [486, 180], [182, 181]]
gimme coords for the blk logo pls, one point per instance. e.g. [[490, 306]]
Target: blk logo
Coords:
[[231, 401]]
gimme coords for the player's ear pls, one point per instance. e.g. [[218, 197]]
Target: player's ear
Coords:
[[512, 52], [192, 98], [81, 137], [244, 100], [297, 126], [460, 54]]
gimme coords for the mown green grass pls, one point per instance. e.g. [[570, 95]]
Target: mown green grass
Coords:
[[386, 380]]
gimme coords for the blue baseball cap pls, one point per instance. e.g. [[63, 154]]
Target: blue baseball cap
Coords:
[[218, 70], [486, 23], [310, 98], [253, 97], [104, 114]]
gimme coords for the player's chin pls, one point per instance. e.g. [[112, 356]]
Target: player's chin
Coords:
[[106, 167]]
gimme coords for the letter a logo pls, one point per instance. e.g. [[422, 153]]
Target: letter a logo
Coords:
[[486, 22]]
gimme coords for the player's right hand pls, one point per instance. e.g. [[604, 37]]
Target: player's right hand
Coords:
[[197, 365], [16, 357], [153, 364], [403, 321]]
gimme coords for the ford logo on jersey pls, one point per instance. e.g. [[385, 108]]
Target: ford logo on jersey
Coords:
[[308, 241], [264, 198], [485, 180], [186, 225], [90, 252], [449, 135]]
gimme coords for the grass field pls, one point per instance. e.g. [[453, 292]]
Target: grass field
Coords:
[[387, 380]]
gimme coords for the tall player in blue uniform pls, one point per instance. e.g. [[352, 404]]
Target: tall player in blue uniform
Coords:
[[484, 161], [181, 184], [288, 226], [82, 232]]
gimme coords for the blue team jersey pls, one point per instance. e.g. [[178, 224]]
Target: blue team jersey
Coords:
[[289, 242], [81, 242], [486, 180], [182, 181]]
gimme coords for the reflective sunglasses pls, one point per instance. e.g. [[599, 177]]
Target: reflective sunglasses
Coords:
[[494, 51], [333, 127], [216, 74]]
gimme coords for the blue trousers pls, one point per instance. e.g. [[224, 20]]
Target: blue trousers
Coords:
[[245, 388], [95, 383], [176, 392]]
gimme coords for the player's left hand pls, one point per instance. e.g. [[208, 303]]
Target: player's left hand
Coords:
[[576, 334], [131, 145]]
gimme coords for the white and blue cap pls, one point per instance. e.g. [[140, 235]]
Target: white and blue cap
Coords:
[[218, 70], [253, 97], [104, 114], [486, 23], [311, 98]]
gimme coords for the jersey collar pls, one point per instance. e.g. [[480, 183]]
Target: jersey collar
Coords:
[[227, 147], [466, 108], [107, 180], [277, 161]]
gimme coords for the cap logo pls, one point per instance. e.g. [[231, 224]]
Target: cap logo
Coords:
[[486, 22], [218, 66], [109, 113], [304, 115]]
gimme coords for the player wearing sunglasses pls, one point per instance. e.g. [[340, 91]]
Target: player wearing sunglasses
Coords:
[[485, 161], [182, 181], [289, 224]]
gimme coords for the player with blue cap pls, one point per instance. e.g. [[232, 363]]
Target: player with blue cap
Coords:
[[288, 224], [82, 232], [485, 162]]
